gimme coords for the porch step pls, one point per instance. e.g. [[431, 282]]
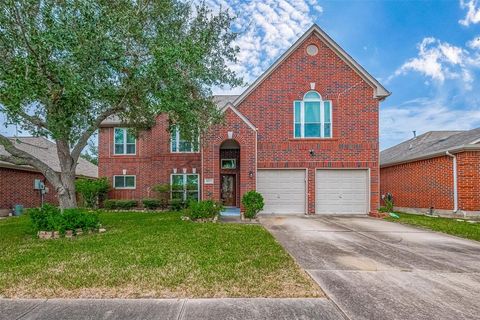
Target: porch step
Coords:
[[230, 211]]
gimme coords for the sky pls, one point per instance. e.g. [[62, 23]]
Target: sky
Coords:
[[427, 53]]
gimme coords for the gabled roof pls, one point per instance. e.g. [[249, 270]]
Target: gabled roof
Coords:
[[220, 100], [46, 151], [230, 105], [429, 145], [379, 91]]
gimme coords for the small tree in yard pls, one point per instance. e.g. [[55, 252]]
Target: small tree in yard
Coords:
[[68, 65], [253, 203], [92, 190]]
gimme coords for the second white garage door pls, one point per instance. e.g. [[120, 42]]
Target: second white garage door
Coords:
[[283, 190], [341, 191]]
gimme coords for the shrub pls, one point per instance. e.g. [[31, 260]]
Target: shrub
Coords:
[[151, 204], [388, 200], [253, 203], [163, 191], [50, 218], [120, 204], [206, 209], [177, 204], [92, 190]]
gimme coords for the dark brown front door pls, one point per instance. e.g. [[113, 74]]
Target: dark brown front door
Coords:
[[227, 192]]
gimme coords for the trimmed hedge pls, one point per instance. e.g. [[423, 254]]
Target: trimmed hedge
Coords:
[[206, 209], [253, 203], [120, 204], [152, 204], [50, 218]]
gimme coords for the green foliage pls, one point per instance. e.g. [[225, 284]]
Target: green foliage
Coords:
[[177, 204], [67, 65], [253, 203], [388, 200], [92, 190], [120, 204], [152, 204], [206, 209], [50, 218], [164, 194], [70, 61]]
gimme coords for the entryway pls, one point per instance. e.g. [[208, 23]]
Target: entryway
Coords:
[[228, 194], [229, 178]]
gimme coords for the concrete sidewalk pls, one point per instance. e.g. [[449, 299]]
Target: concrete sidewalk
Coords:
[[145, 309]]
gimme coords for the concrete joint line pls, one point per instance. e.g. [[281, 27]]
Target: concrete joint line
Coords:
[[182, 310], [31, 309], [344, 315]]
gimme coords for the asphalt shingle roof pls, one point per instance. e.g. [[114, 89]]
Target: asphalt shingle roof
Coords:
[[46, 151], [220, 100], [427, 144]]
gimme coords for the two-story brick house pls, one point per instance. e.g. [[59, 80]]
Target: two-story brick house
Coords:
[[304, 134]]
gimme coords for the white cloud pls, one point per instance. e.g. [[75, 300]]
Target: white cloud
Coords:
[[473, 12], [422, 115], [439, 61], [267, 29], [474, 43]]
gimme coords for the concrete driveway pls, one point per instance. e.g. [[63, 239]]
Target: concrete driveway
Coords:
[[374, 269]]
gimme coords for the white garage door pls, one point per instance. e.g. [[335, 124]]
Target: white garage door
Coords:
[[283, 190], [342, 191]]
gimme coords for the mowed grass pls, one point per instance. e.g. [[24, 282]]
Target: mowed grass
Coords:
[[446, 225], [149, 255]]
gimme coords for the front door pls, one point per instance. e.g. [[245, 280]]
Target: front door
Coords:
[[227, 193]]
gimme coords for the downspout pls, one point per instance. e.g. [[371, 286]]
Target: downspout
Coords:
[[455, 188]]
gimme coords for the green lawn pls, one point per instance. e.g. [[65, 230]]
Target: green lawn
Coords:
[[149, 255], [447, 225]]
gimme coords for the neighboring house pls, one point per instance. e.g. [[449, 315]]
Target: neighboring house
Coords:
[[438, 171], [17, 183], [304, 134]]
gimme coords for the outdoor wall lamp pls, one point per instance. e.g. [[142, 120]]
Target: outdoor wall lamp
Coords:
[[250, 174], [312, 153]]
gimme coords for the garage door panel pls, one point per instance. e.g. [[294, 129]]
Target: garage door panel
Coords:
[[283, 190], [341, 191]]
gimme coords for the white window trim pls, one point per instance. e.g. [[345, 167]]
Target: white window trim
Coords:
[[185, 183], [126, 188], [177, 141], [322, 118], [234, 163], [125, 132]]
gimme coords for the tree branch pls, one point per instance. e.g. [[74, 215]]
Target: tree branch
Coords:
[[82, 142], [20, 157], [40, 64]]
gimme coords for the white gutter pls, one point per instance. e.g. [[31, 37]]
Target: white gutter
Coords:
[[455, 189]]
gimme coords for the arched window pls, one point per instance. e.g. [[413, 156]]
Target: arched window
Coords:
[[312, 116]]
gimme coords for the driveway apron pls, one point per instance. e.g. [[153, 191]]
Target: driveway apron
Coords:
[[374, 269]]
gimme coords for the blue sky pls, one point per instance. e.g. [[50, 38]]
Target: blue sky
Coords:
[[426, 52]]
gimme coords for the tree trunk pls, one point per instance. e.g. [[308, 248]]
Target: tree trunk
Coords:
[[66, 189], [66, 192]]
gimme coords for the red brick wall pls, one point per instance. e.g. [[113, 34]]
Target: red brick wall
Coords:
[[270, 108], [421, 184], [354, 110], [152, 164], [16, 187], [429, 183], [246, 138], [468, 167]]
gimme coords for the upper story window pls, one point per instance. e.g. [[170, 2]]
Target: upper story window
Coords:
[[125, 142], [312, 117], [179, 144]]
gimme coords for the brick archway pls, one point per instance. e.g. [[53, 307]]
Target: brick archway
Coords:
[[233, 128]]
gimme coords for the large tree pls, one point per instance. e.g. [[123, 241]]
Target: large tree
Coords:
[[67, 65]]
